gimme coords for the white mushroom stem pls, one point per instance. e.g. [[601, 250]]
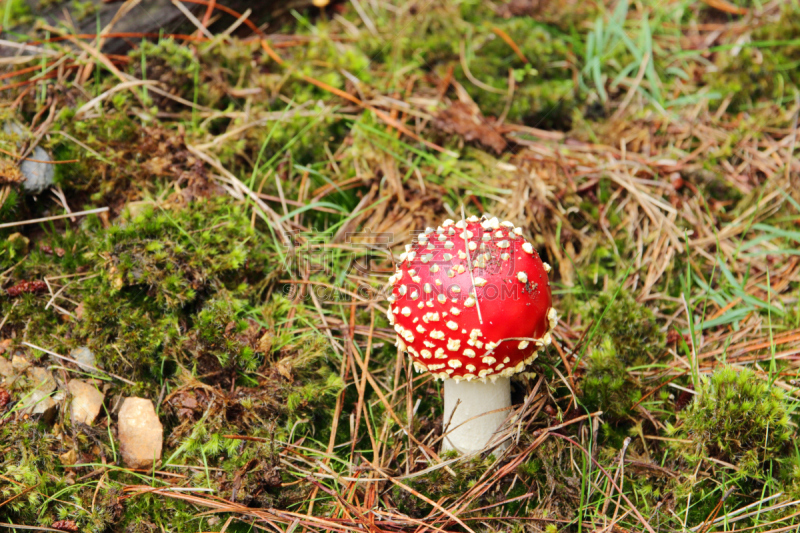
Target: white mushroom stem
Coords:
[[465, 400]]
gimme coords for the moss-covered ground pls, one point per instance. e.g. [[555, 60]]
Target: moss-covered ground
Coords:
[[256, 184]]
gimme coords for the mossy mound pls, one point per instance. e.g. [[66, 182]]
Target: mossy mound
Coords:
[[736, 417]]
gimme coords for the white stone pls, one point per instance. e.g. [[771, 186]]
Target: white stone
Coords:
[[85, 357], [140, 433], [86, 402]]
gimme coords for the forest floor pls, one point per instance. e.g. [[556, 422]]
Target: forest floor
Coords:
[[250, 188]]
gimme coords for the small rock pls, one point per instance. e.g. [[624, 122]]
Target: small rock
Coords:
[[38, 175], [85, 358], [6, 368], [86, 402], [20, 364], [140, 433], [43, 379], [39, 403]]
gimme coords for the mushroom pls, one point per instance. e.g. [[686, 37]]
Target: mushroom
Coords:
[[471, 304]]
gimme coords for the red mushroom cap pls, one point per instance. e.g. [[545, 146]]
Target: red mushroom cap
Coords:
[[471, 300]]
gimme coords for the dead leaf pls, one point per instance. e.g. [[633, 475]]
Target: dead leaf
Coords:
[[466, 120]]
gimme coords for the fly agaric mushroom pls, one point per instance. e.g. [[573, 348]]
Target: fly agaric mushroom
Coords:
[[471, 304]]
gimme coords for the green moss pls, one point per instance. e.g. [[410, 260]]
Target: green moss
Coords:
[[761, 74], [631, 326], [736, 417], [607, 384], [15, 13]]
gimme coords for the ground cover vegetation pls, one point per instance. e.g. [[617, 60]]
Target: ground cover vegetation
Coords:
[[258, 182]]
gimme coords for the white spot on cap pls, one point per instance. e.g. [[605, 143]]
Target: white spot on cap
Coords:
[[473, 218], [448, 245], [420, 329], [411, 255], [488, 360], [402, 290], [507, 224], [428, 288], [455, 310], [473, 245], [426, 354], [447, 222], [547, 267], [406, 311], [518, 231], [522, 345], [414, 295], [504, 256], [452, 325], [455, 289], [439, 354], [453, 344], [470, 368], [461, 269], [492, 223], [427, 257], [435, 268], [469, 352], [460, 224], [436, 334], [503, 244], [447, 257], [454, 363], [480, 282], [429, 344], [522, 277], [552, 317], [441, 298], [527, 248], [469, 302], [416, 279]]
